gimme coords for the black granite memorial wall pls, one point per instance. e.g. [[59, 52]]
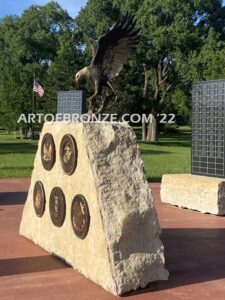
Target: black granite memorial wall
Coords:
[[208, 128], [71, 102]]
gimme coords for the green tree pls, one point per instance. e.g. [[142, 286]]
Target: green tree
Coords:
[[168, 30], [173, 32], [209, 62], [42, 41]]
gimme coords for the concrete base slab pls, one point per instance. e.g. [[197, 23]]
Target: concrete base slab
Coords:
[[205, 194]]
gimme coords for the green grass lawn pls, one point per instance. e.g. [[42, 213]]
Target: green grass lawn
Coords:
[[16, 156], [171, 154]]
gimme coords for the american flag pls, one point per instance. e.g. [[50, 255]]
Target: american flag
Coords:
[[37, 88]]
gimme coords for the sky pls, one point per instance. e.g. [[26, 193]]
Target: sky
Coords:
[[16, 7]]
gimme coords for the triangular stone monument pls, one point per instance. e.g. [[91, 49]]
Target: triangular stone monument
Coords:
[[89, 203]]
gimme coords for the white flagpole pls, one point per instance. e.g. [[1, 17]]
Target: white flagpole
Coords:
[[33, 97]]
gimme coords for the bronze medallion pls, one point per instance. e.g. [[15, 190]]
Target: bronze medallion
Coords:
[[48, 151], [57, 207], [68, 154], [39, 199], [80, 216]]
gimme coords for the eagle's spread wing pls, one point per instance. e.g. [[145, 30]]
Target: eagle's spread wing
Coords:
[[113, 48]]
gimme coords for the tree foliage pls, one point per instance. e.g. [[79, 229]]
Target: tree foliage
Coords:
[[180, 42], [43, 42]]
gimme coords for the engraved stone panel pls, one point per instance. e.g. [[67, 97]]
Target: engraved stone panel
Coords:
[[208, 124], [122, 250], [71, 102]]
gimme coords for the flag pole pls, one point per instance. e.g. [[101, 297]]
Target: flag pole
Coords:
[[33, 97]]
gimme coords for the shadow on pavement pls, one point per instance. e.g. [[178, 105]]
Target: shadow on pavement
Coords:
[[12, 198], [21, 265], [193, 255]]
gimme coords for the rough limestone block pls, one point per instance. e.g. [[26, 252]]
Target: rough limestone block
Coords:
[[205, 194], [122, 250]]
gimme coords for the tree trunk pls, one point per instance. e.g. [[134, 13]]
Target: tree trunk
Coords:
[[145, 91], [143, 131], [161, 73], [152, 130], [21, 132]]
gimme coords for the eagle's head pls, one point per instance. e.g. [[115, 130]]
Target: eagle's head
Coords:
[[82, 74]]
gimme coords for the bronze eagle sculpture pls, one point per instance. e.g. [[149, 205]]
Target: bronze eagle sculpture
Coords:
[[109, 52]]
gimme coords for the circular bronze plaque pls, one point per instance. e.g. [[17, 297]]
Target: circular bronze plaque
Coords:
[[80, 216], [57, 206], [48, 151], [68, 154], [39, 199]]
